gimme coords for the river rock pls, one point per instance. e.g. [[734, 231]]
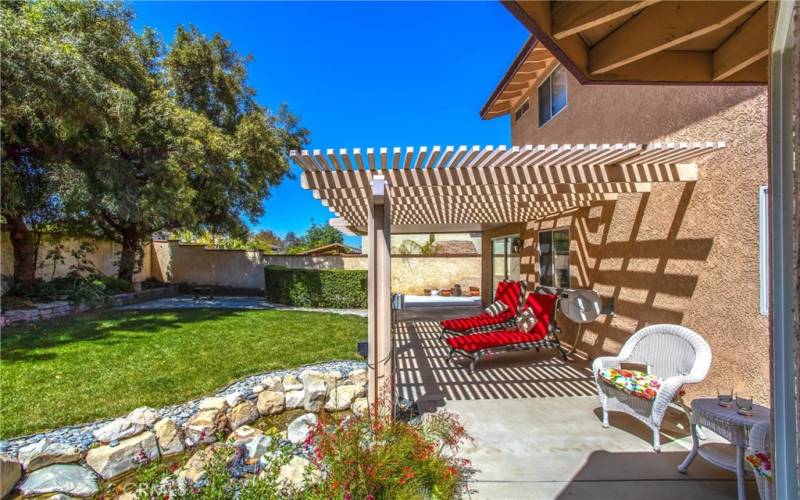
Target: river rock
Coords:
[[358, 377], [115, 430], [294, 399], [273, 383], [257, 445], [360, 406], [243, 413], [195, 468], [217, 403], [315, 393], [254, 441], [110, 462], [256, 389], [307, 376], [46, 452], [270, 402], [10, 472], [143, 416], [243, 435], [300, 427], [169, 437], [234, 399], [341, 397], [291, 383], [204, 426], [72, 480], [293, 473]]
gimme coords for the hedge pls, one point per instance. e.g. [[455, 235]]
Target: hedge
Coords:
[[334, 288]]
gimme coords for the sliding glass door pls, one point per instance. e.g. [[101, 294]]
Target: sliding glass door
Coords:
[[505, 259]]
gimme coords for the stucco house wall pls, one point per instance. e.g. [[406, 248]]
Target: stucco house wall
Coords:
[[685, 253]]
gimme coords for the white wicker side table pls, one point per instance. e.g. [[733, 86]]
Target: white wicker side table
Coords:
[[731, 425]]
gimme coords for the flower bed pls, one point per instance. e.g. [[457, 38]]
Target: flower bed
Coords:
[[355, 456]]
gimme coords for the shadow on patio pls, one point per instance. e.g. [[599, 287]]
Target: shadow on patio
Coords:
[[423, 373], [536, 424]]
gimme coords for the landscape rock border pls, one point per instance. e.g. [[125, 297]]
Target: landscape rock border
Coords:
[[61, 308], [110, 448]]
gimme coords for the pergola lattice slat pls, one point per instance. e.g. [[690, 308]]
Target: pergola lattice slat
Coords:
[[478, 185]]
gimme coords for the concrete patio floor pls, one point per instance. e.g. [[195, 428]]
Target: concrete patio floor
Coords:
[[536, 425], [543, 448]]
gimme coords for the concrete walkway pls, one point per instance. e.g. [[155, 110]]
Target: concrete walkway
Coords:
[[188, 302]]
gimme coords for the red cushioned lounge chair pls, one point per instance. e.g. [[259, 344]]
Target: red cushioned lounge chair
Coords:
[[512, 293], [543, 335]]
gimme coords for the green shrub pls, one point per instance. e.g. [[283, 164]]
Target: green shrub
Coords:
[[91, 289], [316, 288], [377, 457]]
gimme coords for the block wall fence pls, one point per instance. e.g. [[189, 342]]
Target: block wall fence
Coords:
[[175, 262]]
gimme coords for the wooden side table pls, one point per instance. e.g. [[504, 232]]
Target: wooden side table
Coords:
[[731, 425]]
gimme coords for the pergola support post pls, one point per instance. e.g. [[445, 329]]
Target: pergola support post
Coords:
[[379, 358]]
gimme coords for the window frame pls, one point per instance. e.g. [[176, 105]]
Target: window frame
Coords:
[[549, 82], [519, 112], [763, 250], [553, 260]]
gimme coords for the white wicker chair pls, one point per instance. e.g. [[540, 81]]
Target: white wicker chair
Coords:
[[761, 441], [675, 354]]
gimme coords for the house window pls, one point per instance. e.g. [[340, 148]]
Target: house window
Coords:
[[763, 250], [552, 95], [554, 258], [522, 110], [505, 259]]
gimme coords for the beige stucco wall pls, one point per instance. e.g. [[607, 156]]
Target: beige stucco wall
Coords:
[[410, 274], [180, 263], [104, 257], [174, 262], [686, 253], [413, 274]]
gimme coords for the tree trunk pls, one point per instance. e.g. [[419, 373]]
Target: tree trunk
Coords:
[[25, 249], [127, 259]]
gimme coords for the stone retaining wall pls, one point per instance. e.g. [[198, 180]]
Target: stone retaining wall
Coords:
[[73, 460], [50, 310]]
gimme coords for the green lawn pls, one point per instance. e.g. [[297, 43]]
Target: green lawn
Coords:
[[106, 363]]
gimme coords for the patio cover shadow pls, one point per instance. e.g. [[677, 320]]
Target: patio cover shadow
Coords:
[[423, 374]]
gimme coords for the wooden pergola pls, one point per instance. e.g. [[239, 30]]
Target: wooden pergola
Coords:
[[380, 191]]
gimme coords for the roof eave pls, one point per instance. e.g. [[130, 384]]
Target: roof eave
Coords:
[[522, 55]]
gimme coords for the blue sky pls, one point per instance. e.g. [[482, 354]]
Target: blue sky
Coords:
[[361, 74]]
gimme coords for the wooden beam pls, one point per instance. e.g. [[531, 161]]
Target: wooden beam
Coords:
[[755, 73], [600, 191], [379, 280], [570, 18], [501, 176], [662, 26], [668, 66], [540, 10], [747, 45], [570, 51]]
